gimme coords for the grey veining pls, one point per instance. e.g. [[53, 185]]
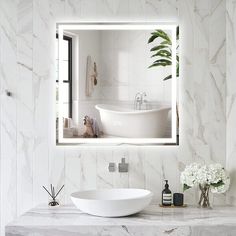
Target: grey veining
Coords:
[[67, 220]]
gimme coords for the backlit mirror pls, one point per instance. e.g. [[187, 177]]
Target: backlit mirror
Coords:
[[116, 83]]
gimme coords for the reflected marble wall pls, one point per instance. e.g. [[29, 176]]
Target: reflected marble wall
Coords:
[[126, 57], [29, 158]]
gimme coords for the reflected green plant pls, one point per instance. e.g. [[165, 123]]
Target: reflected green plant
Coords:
[[162, 53]]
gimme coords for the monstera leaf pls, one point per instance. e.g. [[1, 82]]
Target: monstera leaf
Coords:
[[162, 52]]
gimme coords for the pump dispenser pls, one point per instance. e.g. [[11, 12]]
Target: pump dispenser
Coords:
[[166, 195]]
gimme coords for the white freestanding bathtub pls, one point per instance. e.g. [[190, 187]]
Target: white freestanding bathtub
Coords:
[[126, 122]]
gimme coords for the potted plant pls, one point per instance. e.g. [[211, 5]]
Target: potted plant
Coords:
[[162, 55]]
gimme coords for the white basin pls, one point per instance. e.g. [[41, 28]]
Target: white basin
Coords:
[[112, 202]]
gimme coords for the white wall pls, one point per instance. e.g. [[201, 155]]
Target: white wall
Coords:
[[28, 157], [124, 70], [88, 45]]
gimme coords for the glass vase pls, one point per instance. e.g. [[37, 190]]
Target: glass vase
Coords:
[[204, 201]]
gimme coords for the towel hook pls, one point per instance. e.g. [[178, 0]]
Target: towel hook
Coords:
[[8, 93]]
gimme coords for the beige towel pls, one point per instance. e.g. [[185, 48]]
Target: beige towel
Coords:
[[91, 76], [89, 85]]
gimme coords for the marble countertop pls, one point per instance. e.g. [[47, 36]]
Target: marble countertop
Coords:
[[67, 220]]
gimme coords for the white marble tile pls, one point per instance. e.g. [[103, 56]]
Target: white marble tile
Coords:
[[41, 70], [202, 4], [153, 173], [1, 222], [25, 107], [8, 76], [217, 33], [104, 177], [88, 168], [57, 170], [73, 172], [201, 29], [25, 157], [231, 97], [24, 34], [163, 10], [137, 10], [57, 9], [80, 10], [72, 8], [136, 167], [112, 10]]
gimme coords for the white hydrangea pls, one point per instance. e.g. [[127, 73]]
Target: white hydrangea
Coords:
[[213, 175], [203, 175], [221, 189], [189, 175], [218, 178], [217, 173]]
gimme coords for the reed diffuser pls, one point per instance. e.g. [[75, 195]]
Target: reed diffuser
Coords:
[[53, 195]]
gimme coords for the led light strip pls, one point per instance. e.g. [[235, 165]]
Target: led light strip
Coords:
[[117, 26]]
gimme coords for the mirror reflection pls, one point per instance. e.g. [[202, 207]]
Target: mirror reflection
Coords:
[[115, 83]]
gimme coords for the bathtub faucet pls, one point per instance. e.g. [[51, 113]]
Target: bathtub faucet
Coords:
[[139, 100]]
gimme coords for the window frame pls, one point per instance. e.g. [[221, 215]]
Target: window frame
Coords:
[[69, 81]]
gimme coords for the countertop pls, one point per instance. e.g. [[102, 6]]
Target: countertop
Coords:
[[68, 220]]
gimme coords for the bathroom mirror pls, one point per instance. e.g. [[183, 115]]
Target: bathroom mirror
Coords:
[[116, 83]]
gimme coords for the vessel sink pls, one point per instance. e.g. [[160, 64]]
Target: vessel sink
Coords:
[[112, 202]]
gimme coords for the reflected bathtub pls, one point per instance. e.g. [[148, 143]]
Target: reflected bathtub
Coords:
[[122, 121]]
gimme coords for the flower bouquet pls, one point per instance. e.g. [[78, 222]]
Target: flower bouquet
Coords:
[[212, 178]]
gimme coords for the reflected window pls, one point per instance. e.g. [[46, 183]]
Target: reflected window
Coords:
[[67, 76]]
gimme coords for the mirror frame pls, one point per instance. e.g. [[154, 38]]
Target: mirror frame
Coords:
[[118, 26]]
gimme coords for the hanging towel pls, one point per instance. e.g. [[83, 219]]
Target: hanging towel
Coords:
[[95, 74], [89, 85], [91, 76]]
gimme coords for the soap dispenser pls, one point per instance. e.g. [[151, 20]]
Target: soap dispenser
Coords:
[[166, 195]]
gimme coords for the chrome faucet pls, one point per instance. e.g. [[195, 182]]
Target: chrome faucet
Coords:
[[143, 98], [123, 166], [139, 100]]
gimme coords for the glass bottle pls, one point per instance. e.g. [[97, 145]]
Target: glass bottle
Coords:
[[166, 195]]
